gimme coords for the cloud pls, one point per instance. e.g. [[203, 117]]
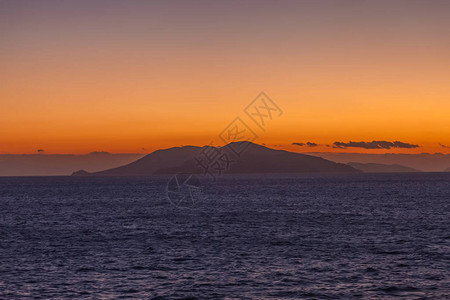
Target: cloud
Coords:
[[444, 146], [374, 145], [40, 150], [309, 144]]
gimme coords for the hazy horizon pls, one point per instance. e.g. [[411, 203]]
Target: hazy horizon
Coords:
[[51, 164]]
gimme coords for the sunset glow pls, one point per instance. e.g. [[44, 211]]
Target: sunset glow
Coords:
[[136, 76]]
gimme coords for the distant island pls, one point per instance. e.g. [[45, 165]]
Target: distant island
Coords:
[[425, 162], [381, 168], [256, 159]]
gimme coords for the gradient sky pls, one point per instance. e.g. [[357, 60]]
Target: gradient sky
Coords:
[[134, 76]]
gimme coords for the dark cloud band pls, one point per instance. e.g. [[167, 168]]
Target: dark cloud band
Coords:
[[375, 145], [309, 144]]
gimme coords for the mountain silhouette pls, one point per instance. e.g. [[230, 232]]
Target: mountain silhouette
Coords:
[[381, 168], [425, 162], [255, 159]]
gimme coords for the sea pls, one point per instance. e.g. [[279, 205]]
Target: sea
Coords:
[[354, 236]]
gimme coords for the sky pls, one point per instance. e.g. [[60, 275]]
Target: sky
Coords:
[[136, 76]]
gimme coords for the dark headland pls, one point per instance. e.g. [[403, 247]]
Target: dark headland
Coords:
[[256, 159], [382, 168]]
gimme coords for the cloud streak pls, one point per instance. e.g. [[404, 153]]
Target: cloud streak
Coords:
[[309, 144], [375, 145], [444, 146]]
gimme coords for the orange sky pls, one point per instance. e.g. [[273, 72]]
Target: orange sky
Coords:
[[133, 77]]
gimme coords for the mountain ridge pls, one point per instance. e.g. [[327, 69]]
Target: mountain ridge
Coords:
[[255, 159]]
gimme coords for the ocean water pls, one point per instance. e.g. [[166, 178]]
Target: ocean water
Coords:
[[363, 236]]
